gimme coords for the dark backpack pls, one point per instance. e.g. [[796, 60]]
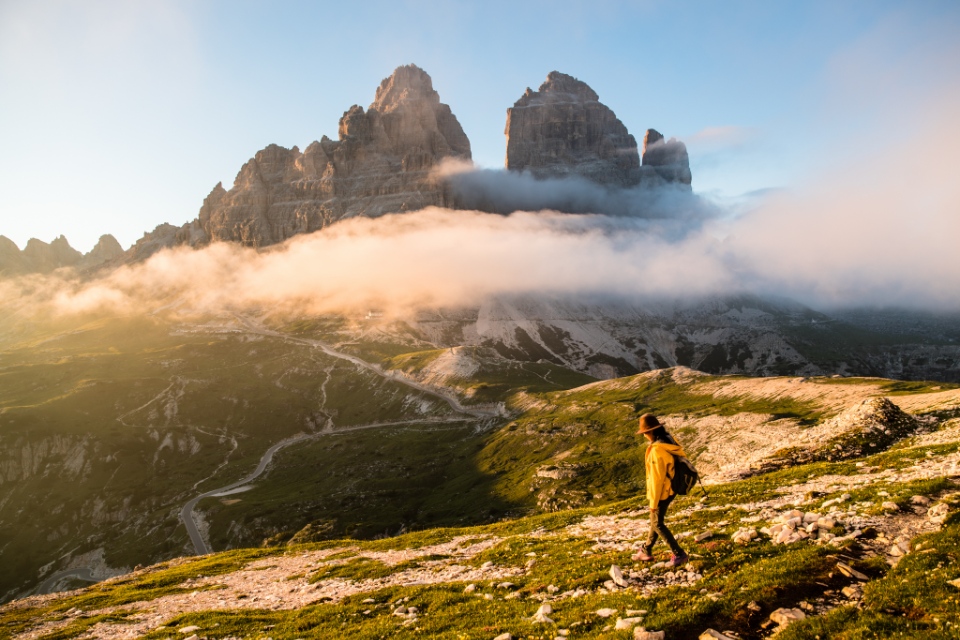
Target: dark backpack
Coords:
[[685, 476]]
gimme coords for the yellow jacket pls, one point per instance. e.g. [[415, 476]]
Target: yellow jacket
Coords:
[[659, 463]]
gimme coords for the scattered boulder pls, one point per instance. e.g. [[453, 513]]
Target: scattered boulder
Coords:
[[745, 534], [626, 624], [711, 634], [785, 616], [937, 514], [639, 633], [617, 576], [700, 537], [541, 616], [606, 612], [850, 572]]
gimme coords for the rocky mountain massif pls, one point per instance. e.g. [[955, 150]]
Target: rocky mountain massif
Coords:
[[382, 162], [563, 129]]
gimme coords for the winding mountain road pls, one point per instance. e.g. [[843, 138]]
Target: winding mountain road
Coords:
[[449, 398], [186, 512]]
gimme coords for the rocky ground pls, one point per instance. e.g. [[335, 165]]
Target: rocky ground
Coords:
[[821, 547]]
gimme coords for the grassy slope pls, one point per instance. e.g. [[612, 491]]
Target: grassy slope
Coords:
[[912, 599]]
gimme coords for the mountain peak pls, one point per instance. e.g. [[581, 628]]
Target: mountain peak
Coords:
[[407, 82]]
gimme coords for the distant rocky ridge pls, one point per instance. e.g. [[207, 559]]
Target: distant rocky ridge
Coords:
[[41, 257], [563, 129]]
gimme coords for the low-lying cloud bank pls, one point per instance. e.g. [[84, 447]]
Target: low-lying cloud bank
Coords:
[[672, 211]]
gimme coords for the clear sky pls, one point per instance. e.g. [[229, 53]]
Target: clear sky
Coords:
[[116, 116]]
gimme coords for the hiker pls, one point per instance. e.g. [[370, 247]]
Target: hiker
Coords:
[[660, 469]]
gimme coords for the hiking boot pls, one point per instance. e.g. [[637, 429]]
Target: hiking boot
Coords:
[[642, 556], [678, 560]]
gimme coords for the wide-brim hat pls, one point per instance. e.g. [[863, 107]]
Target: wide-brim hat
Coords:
[[648, 423]]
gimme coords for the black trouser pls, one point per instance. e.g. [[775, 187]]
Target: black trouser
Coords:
[[658, 528]]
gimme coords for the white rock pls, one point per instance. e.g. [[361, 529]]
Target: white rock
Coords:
[[553, 588], [852, 592], [545, 609], [784, 616], [810, 517], [890, 506], [605, 612], [639, 633], [627, 623], [938, 512], [617, 576], [193, 637], [486, 565], [190, 629], [954, 583], [899, 549], [711, 634], [826, 523], [470, 588], [504, 636], [850, 572], [700, 537], [541, 618], [921, 500]]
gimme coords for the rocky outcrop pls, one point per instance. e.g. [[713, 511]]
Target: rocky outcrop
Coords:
[[664, 161], [43, 258], [563, 129], [11, 260], [380, 164], [162, 237], [106, 249]]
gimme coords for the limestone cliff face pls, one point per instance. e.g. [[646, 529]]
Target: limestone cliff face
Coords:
[[665, 161], [380, 164], [564, 129]]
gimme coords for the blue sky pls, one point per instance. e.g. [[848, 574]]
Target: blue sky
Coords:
[[118, 116]]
